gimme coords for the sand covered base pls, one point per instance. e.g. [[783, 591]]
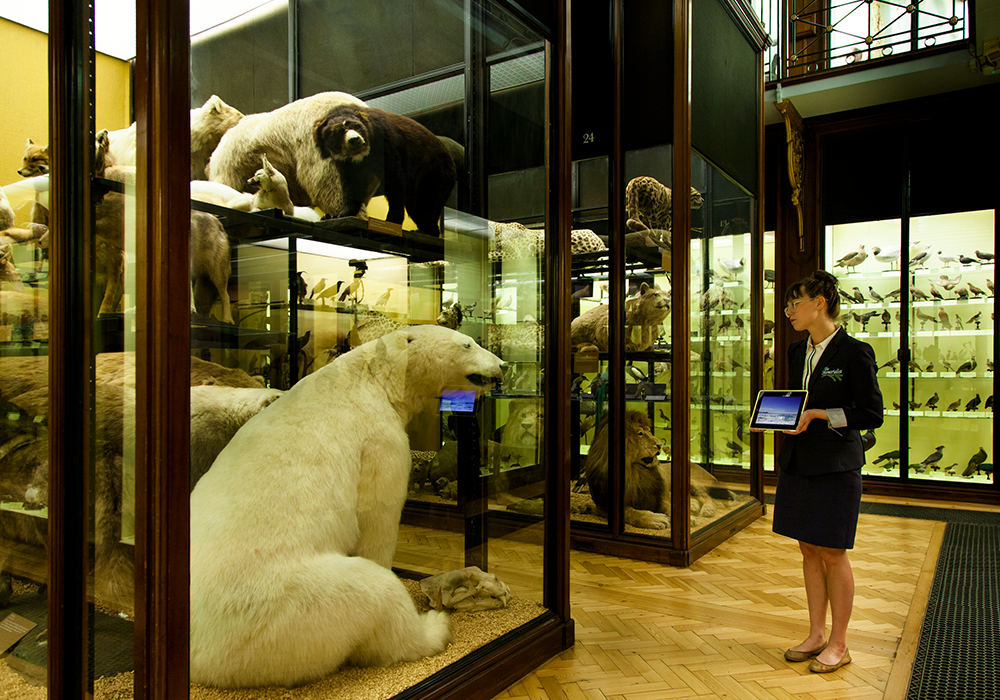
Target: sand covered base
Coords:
[[472, 630]]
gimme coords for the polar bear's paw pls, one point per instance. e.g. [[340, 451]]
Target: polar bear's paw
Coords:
[[437, 631]]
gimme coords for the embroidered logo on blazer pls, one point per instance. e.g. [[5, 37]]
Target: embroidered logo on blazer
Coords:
[[834, 374]]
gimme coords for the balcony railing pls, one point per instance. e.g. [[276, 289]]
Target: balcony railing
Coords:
[[815, 36]]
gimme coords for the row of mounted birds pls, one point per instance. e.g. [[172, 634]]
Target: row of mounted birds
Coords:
[[942, 321], [977, 463], [952, 286], [920, 255], [932, 404]]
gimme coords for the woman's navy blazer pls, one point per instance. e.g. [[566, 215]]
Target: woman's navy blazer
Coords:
[[843, 378]]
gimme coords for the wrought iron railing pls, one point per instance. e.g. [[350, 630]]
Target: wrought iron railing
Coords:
[[813, 36]]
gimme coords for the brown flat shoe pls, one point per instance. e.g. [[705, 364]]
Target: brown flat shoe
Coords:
[[796, 656], [817, 667]]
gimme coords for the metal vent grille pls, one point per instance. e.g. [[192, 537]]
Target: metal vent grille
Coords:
[[959, 643]]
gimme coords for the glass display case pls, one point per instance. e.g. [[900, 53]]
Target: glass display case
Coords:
[[358, 396], [666, 467], [925, 304]]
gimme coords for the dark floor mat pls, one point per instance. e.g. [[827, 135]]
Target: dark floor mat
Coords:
[[110, 654], [959, 642]]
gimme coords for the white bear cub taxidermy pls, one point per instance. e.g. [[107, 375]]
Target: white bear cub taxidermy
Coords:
[[294, 528]]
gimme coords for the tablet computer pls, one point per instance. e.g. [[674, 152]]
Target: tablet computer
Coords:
[[778, 410]]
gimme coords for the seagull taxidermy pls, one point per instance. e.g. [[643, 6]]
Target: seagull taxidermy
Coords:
[[852, 259]]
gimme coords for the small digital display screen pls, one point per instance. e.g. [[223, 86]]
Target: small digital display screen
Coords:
[[778, 410], [458, 401]]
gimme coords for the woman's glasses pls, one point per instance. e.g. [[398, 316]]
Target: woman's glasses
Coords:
[[792, 306]]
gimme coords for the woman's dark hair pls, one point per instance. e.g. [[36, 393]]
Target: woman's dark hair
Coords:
[[819, 284]]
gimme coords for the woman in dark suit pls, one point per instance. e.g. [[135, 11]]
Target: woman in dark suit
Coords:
[[819, 481]]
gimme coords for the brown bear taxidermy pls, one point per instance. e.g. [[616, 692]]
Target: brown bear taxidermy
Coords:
[[371, 147]]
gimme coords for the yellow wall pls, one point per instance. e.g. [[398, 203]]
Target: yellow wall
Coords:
[[24, 94]]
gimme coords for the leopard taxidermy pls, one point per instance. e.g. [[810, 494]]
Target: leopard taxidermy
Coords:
[[514, 241], [649, 206]]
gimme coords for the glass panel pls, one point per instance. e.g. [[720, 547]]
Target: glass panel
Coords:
[[114, 338], [950, 377], [340, 426], [722, 229], [773, 298], [24, 394], [870, 310]]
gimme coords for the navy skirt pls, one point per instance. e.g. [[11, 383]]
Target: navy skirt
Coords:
[[821, 510]]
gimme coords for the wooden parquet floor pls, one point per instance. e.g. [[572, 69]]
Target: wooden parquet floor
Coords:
[[718, 629]]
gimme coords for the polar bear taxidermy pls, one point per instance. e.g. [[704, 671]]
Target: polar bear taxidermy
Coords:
[[294, 527]]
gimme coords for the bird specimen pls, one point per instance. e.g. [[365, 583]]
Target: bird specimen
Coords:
[[947, 259], [769, 276], [318, 287], [987, 257], [890, 456], [914, 367], [962, 292], [858, 296], [894, 294], [989, 285], [975, 318], [989, 403], [891, 364], [949, 284], [989, 364], [635, 372], [934, 292], [934, 457], [887, 255], [852, 259], [969, 366], [724, 324], [925, 317], [976, 290], [384, 299], [944, 319], [975, 463], [966, 260], [351, 290], [951, 468], [846, 297], [917, 293], [328, 291], [886, 319], [973, 403], [958, 323], [864, 318], [933, 401], [875, 295], [919, 259], [301, 288], [731, 266], [735, 448], [953, 406]]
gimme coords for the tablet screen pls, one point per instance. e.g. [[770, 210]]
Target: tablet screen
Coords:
[[778, 410], [458, 401]]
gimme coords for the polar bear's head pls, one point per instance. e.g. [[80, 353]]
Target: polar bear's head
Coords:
[[416, 364], [455, 359]]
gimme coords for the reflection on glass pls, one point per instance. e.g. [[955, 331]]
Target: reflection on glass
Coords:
[[722, 231], [357, 373], [24, 333]]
